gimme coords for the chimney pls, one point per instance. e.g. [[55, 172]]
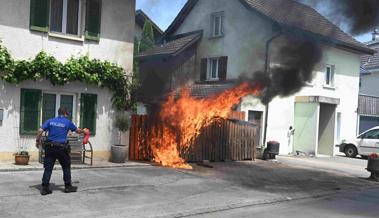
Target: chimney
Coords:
[[375, 35]]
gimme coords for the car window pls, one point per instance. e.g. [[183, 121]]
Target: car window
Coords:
[[373, 134]]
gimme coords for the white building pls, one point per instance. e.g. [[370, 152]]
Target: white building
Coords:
[[369, 91], [213, 42], [102, 30]]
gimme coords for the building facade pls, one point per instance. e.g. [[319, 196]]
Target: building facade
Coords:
[[369, 92], [213, 43], [102, 30]]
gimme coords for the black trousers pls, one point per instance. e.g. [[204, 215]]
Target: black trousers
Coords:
[[53, 153]]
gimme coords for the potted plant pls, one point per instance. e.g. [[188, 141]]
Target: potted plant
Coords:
[[119, 151], [373, 166], [21, 158]]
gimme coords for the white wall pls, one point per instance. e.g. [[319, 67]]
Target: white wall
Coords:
[[281, 111], [106, 134], [116, 43], [244, 44], [244, 34]]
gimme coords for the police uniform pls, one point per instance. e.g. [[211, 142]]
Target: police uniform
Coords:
[[56, 148]]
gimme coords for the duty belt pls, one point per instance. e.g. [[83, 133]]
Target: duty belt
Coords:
[[56, 144]]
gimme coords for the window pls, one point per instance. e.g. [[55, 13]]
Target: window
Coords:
[[64, 16], [329, 76], [218, 24], [373, 134], [213, 69], [51, 102], [35, 103]]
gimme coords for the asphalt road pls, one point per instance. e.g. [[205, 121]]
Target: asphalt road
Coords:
[[232, 189], [353, 204]]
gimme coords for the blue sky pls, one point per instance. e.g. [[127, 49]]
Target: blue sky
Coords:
[[163, 12]]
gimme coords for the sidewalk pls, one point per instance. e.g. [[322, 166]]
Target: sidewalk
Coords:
[[97, 163], [355, 167]]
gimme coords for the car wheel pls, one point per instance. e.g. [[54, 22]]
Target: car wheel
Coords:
[[351, 151]]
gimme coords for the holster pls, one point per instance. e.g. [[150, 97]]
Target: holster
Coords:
[[50, 144]]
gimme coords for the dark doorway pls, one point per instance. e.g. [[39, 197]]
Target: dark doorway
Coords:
[[255, 117]]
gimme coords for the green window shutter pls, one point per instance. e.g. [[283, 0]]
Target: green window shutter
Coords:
[[222, 68], [30, 108], [203, 69], [88, 105], [39, 15], [48, 106], [93, 20]]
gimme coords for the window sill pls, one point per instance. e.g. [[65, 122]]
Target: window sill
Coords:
[[212, 80], [68, 37], [329, 87], [216, 37]]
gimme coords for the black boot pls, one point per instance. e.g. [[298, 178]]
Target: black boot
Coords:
[[46, 190], [70, 188]]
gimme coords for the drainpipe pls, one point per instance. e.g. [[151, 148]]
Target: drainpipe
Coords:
[[267, 62]]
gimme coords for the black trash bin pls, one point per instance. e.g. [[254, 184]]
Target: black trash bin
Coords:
[[272, 150]]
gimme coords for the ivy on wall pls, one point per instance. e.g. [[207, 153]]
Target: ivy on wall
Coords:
[[90, 71]]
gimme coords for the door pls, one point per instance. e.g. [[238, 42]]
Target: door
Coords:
[[369, 142], [255, 117]]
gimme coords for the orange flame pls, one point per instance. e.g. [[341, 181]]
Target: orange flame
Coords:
[[181, 119]]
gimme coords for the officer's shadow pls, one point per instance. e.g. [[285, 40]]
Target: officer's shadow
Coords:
[[53, 187]]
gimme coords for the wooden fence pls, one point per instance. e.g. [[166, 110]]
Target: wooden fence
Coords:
[[223, 140]]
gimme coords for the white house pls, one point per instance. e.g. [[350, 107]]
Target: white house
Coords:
[[98, 29], [369, 91], [211, 43]]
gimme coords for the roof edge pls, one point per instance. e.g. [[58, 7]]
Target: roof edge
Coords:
[[142, 13], [179, 18]]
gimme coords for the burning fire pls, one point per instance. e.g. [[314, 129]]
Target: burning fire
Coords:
[[181, 119]]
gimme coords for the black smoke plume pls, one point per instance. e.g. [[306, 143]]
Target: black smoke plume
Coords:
[[291, 67], [361, 16]]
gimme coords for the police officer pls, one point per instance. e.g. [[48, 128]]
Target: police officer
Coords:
[[57, 148]]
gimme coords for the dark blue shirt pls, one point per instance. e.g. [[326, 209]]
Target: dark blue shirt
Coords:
[[58, 129]]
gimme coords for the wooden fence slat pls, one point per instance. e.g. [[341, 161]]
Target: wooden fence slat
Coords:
[[220, 141]]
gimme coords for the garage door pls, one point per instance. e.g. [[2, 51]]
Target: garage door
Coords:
[[367, 122]]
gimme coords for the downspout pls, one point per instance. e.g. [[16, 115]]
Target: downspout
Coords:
[[267, 62]]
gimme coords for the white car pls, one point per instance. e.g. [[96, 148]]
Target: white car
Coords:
[[364, 144]]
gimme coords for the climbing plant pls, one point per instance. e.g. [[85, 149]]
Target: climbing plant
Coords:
[[83, 69]]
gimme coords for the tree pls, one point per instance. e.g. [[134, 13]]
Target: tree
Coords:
[[147, 40]]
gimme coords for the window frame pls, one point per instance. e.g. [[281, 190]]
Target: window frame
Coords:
[[214, 16], [64, 19], [58, 102], [331, 77], [210, 68]]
